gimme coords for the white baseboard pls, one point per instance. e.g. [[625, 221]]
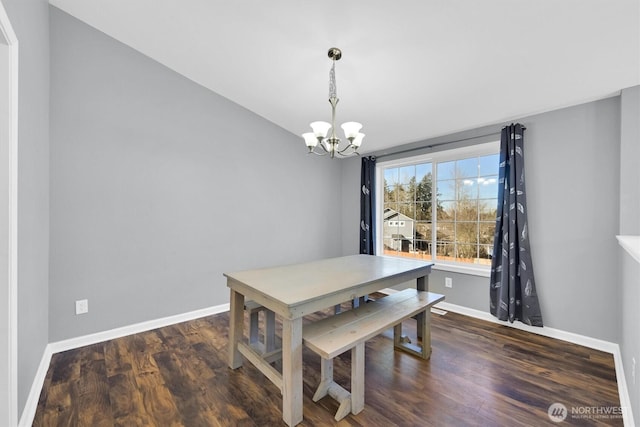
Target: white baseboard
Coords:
[[596, 344], [623, 391], [31, 405], [546, 331], [136, 328]]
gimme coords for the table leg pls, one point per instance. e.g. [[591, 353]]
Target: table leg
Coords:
[[292, 371], [236, 325], [422, 283]]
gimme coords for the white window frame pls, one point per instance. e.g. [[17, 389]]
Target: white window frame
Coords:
[[477, 150]]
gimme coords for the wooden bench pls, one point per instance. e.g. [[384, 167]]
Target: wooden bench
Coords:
[[349, 330], [268, 345]]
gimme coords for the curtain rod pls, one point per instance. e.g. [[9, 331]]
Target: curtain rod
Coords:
[[430, 146]]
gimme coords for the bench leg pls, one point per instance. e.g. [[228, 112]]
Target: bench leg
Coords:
[[343, 397], [326, 373], [269, 331], [268, 345], [420, 325], [398, 338], [253, 328], [424, 324], [357, 378], [422, 350], [357, 302], [329, 387]]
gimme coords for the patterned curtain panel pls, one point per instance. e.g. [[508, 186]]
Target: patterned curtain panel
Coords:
[[367, 205], [513, 290]]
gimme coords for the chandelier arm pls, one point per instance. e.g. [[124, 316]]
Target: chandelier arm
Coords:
[[313, 151], [323, 145], [349, 154], [353, 147]]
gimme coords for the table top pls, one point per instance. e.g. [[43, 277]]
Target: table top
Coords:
[[298, 284]]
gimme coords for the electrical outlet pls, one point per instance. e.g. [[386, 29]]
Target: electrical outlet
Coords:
[[448, 282], [82, 306]]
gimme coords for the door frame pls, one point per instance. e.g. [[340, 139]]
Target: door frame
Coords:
[[9, 220]]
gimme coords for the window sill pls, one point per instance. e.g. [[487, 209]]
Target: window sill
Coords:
[[480, 271]]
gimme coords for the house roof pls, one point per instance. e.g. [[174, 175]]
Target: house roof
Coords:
[[395, 215]]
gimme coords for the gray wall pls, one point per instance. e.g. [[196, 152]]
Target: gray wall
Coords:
[[572, 158], [630, 341], [629, 159], [30, 21], [630, 224], [350, 203], [158, 186]]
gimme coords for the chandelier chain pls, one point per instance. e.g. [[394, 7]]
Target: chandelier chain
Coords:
[[333, 90]]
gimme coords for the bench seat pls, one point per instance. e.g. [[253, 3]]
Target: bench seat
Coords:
[[349, 330]]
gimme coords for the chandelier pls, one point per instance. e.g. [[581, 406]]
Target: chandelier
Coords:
[[329, 142]]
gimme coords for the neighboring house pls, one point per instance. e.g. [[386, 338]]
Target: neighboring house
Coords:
[[397, 231]]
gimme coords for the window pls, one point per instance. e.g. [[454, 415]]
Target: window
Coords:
[[440, 207]]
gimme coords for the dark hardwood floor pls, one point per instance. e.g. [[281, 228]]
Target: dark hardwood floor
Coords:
[[479, 374]]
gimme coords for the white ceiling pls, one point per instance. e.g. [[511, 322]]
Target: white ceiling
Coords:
[[411, 69]]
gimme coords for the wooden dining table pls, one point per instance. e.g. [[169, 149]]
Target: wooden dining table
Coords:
[[294, 291]]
